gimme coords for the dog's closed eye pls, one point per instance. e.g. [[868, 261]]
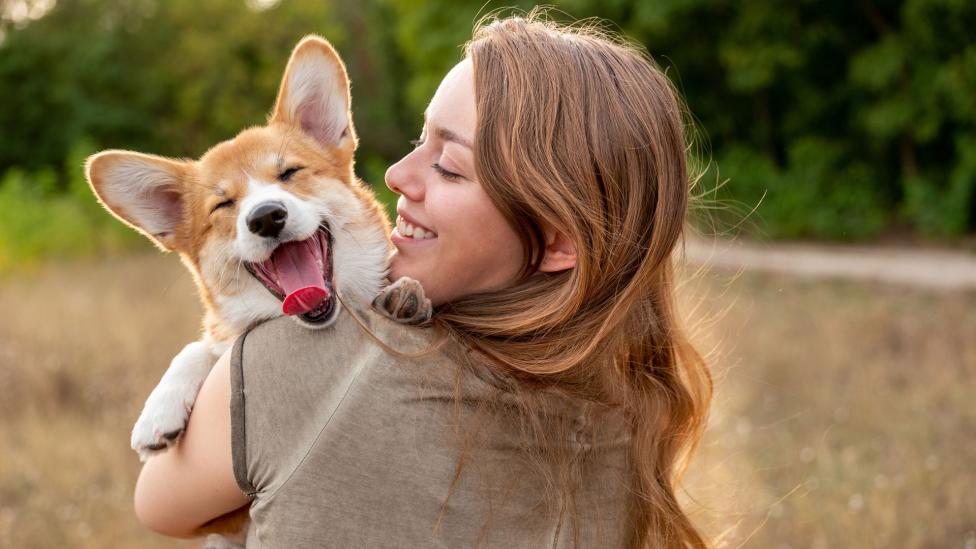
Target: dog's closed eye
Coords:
[[286, 175], [225, 204]]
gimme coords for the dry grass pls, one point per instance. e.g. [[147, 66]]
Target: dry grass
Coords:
[[843, 416], [81, 346], [844, 412]]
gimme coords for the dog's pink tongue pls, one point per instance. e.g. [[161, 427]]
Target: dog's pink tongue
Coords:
[[299, 270]]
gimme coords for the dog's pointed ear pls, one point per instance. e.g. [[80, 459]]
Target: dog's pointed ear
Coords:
[[144, 191], [314, 94]]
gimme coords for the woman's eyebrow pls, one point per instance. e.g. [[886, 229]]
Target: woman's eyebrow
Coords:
[[448, 135]]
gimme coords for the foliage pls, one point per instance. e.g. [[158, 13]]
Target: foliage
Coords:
[[847, 117], [40, 220], [817, 194]]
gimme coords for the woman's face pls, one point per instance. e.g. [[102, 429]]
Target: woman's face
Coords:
[[449, 235]]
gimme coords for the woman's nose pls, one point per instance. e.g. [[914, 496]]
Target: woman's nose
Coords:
[[403, 179]]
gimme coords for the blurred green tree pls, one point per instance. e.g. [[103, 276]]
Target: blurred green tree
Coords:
[[169, 77]]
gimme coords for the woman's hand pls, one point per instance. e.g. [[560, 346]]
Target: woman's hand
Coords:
[[181, 489]]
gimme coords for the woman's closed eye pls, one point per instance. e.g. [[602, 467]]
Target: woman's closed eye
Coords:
[[446, 174], [450, 176]]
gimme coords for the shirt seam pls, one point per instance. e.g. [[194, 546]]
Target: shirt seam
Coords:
[[239, 410]]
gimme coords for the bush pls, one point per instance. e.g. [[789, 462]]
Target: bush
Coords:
[[41, 221], [820, 194], [942, 210]]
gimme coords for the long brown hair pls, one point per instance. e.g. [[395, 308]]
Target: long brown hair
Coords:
[[581, 133]]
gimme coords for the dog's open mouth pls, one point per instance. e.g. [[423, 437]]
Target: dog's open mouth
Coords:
[[299, 273]]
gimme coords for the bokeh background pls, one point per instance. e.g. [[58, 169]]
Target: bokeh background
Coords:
[[844, 412]]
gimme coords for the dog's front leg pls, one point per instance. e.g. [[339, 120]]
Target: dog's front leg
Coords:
[[164, 417]]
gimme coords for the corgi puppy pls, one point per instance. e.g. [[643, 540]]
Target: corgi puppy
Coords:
[[272, 222]]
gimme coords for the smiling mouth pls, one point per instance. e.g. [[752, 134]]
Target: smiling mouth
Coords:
[[299, 274], [409, 230]]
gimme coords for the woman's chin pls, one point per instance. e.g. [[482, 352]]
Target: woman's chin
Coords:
[[412, 258], [401, 266]]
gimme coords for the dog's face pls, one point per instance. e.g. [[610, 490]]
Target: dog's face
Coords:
[[272, 221]]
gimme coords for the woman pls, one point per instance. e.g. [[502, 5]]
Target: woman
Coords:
[[551, 188]]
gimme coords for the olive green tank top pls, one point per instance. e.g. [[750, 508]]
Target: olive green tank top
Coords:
[[345, 445]]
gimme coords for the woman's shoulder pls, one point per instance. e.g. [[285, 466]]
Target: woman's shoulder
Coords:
[[396, 359], [353, 333]]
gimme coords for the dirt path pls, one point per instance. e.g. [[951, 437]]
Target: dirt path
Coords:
[[933, 269]]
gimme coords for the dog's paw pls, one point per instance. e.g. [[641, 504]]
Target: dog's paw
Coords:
[[405, 302], [168, 407], [217, 541], [160, 425]]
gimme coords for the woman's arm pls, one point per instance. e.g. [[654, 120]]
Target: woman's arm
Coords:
[[181, 489]]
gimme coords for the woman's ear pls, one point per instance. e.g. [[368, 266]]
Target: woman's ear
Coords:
[[559, 253]]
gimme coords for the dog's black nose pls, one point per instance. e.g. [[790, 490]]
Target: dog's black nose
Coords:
[[267, 219]]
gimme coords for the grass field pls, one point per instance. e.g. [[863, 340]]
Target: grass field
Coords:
[[844, 412]]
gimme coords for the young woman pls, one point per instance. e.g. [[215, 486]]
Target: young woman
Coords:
[[551, 187]]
